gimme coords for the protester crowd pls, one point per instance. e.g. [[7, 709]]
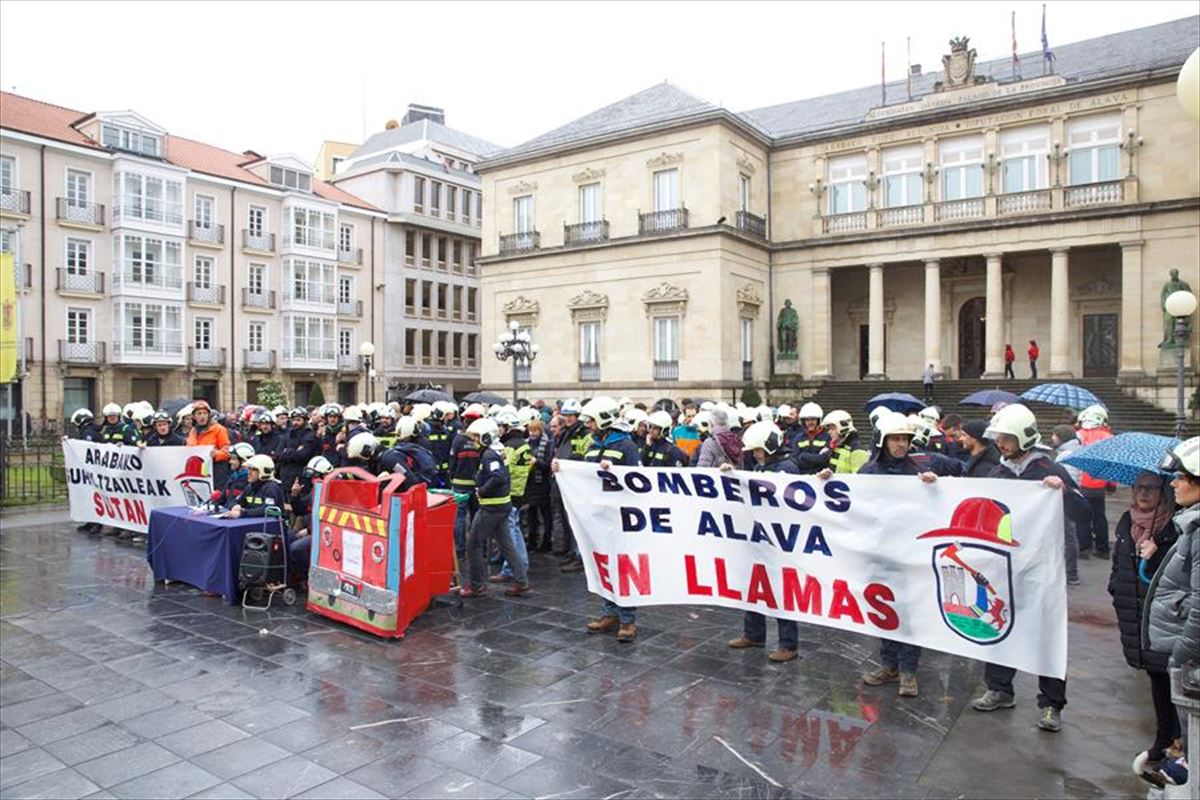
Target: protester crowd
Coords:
[[501, 462]]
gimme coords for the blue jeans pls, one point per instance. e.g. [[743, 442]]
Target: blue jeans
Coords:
[[462, 521], [299, 557], [518, 541], [626, 614], [898, 655], [754, 627]]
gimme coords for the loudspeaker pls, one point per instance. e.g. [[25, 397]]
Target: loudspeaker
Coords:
[[263, 556]]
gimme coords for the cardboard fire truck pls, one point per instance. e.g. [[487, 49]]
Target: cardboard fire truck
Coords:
[[379, 555]]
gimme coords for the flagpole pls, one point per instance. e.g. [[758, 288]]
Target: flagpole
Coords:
[[882, 75], [908, 66], [1016, 59]]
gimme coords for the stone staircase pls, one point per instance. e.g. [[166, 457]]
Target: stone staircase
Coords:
[[1125, 413]]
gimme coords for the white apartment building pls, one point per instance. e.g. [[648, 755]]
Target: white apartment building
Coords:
[[151, 266], [421, 173]]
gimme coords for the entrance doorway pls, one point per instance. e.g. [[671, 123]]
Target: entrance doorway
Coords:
[[864, 350], [145, 389], [1100, 336], [971, 337]]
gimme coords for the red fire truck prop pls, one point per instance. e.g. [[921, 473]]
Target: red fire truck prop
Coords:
[[379, 556]]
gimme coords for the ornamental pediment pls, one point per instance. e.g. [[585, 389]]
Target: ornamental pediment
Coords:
[[522, 187], [521, 305], [665, 293], [588, 299], [664, 160], [588, 175]]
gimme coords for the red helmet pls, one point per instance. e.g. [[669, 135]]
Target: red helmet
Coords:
[[201, 405]]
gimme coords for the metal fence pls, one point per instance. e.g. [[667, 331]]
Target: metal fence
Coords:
[[32, 470]]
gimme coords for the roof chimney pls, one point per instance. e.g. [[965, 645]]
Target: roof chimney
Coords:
[[417, 112], [914, 69]]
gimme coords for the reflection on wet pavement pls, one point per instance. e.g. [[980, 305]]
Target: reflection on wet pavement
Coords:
[[113, 686]]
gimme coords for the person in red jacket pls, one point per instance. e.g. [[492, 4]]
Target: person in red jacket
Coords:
[[1009, 358], [1092, 427], [1033, 357]]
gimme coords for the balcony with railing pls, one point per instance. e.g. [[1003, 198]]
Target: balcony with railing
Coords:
[[310, 356], [81, 352], [1094, 194], [656, 222], [511, 243], [209, 234], [153, 346], [350, 308], [348, 362], [901, 215], [309, 297], [1023, 202], [589, 373], [954, 210], [844, 223], [14, 202], [585, 232], [75, 212], [350, 255], [84, 282], [206, 357], [263, 360], [264, 300], [148, 209], [205, 294], [259, 242], [157, 277], [752, 224], [666, 370], [747, 370]]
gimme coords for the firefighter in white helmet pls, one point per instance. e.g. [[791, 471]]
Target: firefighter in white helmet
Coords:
[[263, 495], [572, 442], [812, 448], [493, 494], [659, 450], [848, 453]]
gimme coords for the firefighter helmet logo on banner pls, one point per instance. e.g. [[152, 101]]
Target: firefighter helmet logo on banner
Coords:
[[973, 569]]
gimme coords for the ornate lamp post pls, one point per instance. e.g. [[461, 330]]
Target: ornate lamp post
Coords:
[[1180, 305], [517, 345], [367, 351]]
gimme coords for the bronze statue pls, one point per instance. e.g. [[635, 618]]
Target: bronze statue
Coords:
[[787, 327], [1169, 288]]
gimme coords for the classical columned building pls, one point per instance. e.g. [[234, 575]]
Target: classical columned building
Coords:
[[664, 246]]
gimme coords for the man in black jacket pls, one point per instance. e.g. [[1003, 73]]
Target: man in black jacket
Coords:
[[86, 430], [491, 521], [297, 445], [161, 434], [1014, 429], [264, 496], [982, 456], [267, 441]]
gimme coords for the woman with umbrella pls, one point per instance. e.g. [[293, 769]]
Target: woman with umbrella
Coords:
[[1143, 536]]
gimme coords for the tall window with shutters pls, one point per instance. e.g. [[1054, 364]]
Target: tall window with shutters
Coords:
[[902, 179], [1024, 159], [589, 203], [589, 343], [666, 190], [1093, 154], [961, 162], [847, 184], [666, 339], [523, 214]]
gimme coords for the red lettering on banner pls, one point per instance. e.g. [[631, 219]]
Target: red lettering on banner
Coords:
[[884, 616], [602, 570], [98, 504], [135, 511], [693, 583], [844, 603], [626, 574], [723, 582], [800, 599], [760, 588]]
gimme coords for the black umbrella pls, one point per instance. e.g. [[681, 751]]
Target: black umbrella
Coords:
[[486, 397], [428, 396], [172, 406]]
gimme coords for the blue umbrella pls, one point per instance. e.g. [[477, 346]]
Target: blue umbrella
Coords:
[[896, 401], [989, 398], [1122, 457], [1061, 394]]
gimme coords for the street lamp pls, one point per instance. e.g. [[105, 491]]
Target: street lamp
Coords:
[[517, 345], [1180, 305], [1187, 85], [367, 351]]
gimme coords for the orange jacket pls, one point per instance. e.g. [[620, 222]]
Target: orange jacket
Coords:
[[1091, 436], [214, 435]]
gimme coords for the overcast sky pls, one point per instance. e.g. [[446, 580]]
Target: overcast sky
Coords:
[[282, 76]]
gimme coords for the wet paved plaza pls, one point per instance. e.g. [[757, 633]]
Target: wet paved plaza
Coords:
[[113, 687]]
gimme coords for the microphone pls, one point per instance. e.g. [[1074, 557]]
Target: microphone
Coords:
[[214, 501]]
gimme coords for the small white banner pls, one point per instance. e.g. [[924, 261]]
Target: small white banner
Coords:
[[119, 485], [968, 566]]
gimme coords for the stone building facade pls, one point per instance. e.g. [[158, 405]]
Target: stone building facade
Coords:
[[653, 245]]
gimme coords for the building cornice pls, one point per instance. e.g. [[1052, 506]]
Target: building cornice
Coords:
[[623, 241]]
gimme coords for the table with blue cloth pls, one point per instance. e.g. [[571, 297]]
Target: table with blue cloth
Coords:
[[199, 550]]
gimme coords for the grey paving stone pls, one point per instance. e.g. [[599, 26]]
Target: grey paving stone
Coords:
[[175, 781], [286, 778], [12, 742], [165, 720], [63, 726], [455, 784], [114, 768], [61, 784], [222, 791], [108, 738], [341, 788], [27, 765], [202, 738], [240, 757]]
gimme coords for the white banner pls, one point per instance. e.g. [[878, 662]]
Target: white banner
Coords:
[[119, 485], [970, 566]]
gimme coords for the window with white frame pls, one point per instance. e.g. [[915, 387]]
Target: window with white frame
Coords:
[[747, 326], [202, 333], [961, 164], [902, 178], [589, 342], [310, 338], [743, 192], [256, 337], [466, 205], [666, 190], [256, 278], [313, 228], [589, 203], [478, 206], [120, 138], [149, 328], [205, 211], [202, 272], [79, 325], [345, 289], [79, 256], [309, 281], [523, 214], [79, 188], [345, 238], [847, 184], [435, 197], [151, 261], [150, 198], [345, 342], [7, 238], [335, 162], [418, 193], [8, 174], [256, 220], [1024, 162], [290, 178], [451, 200], [1093, 149], [666, 338]]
